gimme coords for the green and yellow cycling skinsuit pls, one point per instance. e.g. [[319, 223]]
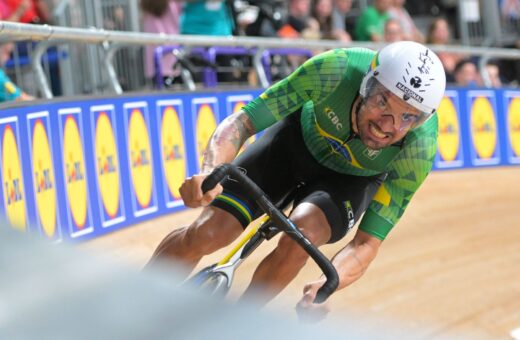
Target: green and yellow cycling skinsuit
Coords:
[[324, 88]]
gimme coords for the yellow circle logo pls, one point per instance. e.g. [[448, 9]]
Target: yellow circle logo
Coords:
[[76, 184], [206, 125], [483, 128], [107, 165], [514, 125], [238, 106], [44, 179], [140, 158], [13, 181], [172, 143], [449, 136]]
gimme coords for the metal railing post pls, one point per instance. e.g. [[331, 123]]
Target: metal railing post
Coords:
[[39, 73], [110, 50]]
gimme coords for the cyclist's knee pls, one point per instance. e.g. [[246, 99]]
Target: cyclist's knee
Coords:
[[313, 223], [291, 252], [213, 230]]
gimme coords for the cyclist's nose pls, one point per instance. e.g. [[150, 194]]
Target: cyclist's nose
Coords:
[[389, 122]]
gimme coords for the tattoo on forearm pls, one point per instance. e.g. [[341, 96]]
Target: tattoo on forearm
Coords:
[[233, 130]]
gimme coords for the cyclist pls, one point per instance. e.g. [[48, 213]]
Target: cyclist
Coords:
[[351, 131]]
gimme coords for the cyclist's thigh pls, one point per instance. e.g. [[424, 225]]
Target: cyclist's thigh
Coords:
[[342, 198], [268, 162]]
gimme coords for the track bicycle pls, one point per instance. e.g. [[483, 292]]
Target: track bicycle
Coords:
[[216, 279]]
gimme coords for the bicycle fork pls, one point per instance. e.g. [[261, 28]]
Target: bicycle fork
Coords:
[[232, 260]]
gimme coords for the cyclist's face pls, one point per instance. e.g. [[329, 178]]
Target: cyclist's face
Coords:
[[384, 119]]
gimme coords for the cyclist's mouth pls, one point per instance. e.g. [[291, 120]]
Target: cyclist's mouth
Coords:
[[377, 132]]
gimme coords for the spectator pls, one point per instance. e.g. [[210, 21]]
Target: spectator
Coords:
[[370, 24], [8, 90], [211, 17], [493, 74], [339, 18], [160, 16], [25, 11], [393, 31], [322, 13], [439, 33], [271, 17], [300, 24], [466, 74], [510, 9], [410, 30]]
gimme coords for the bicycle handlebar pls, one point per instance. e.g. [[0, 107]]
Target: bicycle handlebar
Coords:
[[280, 220]]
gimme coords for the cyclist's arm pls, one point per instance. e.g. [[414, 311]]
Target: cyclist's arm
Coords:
[[222, 147], [352, 261], [226, 141], [406, 174]]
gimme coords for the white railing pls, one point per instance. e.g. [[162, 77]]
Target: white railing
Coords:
[[113, 40]]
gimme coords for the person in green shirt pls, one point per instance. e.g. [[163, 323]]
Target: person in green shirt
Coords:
[[352, 133], [371, 23]]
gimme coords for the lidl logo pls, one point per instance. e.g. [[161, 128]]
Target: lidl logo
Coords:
[[449, 131], [43, 175], [173, 150], [43, 180], [483, 128], [13, 188], [513, 119], [74, 172], [140, 157], [14, 197], [107, 165], [75, 176]]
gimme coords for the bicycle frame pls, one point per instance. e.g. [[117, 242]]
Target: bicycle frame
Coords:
[[215, 275]]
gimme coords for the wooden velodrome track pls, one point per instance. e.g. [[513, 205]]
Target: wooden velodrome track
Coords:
[[452, 264]]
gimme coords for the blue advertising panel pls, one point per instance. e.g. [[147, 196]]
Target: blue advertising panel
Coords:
[[483, 127], [79, 169], [107, 165], [511, 109], [13, 183], [205, 117], [75, 178], [450, 152], [47, 219], [139, 154], [172, 141]]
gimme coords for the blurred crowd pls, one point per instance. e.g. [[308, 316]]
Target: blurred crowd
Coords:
[[382, 21]]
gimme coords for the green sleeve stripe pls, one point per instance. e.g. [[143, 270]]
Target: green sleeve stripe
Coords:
[[375, 225], [259, 114]]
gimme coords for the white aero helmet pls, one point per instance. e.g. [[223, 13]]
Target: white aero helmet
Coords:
[[412, 72]]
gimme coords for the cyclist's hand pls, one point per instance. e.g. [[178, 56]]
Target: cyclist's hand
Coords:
[[307, 310], [191, 192]]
